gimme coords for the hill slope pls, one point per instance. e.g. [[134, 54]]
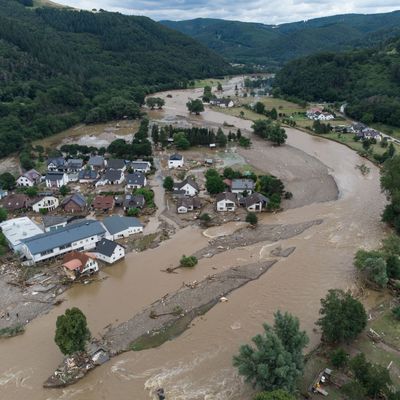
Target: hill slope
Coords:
[[58, 67], [273, 45], [369, 80]]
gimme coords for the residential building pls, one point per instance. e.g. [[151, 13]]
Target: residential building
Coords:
[[122, 227], [134, 201], [56, 164], [188, 186], [29, 178], [175, 161], [111, 177], [74, 203], [74, 165], [255, 202], [87, 176], [226, 201], [140, 166], [96, 163], [223, 103], [242, 185], [136, 180], [56, 179], [103, 203], [186, 204], [15, 202], [17, 229], [77, 263], [54, 222], [116, 163], [80, 236], [48, 203], [109, 251]]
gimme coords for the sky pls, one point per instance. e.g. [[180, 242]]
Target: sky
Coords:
[[265, 11]]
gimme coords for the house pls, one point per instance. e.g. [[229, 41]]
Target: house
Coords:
[[3, 193], [122, 227], [15, 202], [17, 229], [116, 163], [74, 165], [87, 176], [242, 185], [369, 133], [80, 236], [54, 222], [56, 179], [77, 263], [103, 203], [186, 204], [109, 251], [29, 178], [223, 103], [74, 203], [136, 180], [188, 187], [48, 203], [96, 163], [56, 164], [358, 127], [140, 166], [133, 201], [255, 202], [175, 161], [111, 177], [226, 201]]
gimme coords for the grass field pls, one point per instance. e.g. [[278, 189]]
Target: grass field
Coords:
[[208, 82], [388, 129]]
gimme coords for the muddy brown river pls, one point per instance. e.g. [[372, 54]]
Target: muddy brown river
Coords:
[[198, 364]]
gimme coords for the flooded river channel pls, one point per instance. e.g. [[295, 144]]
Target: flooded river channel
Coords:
[[198, 364]]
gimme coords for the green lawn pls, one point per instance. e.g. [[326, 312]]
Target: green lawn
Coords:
[[207, 82]]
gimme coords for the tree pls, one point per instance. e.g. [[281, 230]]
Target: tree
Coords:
[[276, 361], [274, 395], [7, 181], [390, 183], [219, 87], [153, 102], [64, 190], [207, 94], [259, 107], [373, 267], [339, 358], [251, 218], [188, 261], [168, 183], [221, 138], [133, 212], [181, 141], [343, 318], [195, 106], [214, 184], [273, 114], [72, 332], [3, 214], [31, 191], [205, 218], [244, 142], [155, 134]]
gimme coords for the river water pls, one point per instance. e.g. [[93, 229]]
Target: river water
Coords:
[[198, 364]]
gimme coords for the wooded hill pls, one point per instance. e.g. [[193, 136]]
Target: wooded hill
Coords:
[[273, 45], [368, 80], [59, 67]]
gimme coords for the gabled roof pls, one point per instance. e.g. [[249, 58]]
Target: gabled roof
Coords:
[[140, 164], [64, 236], [115, 163], [254, 199], [40, 198], [51, 220], [57, 161], [242, 184], [54, 176], [188, 181], [15, 201], [87, 174], [188, 202], [32, 175], [116, 223], [175, 157], [226, 196], [75, 163], [106, 247], [133, 201], [112, 175], [76, 260], [76, 198], [103, 202], [137, 178], [96, 161]]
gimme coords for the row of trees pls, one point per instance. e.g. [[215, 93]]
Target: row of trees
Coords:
[[270, 131]]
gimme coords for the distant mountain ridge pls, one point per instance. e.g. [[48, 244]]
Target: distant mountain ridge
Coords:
[[245, 42]]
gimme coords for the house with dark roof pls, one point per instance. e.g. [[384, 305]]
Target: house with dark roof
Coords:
[[133, 201], [226, 201], [186, 204], [122, 227], [78, 263], [188, 186], [97, 163], [242, 185], [223, 103], [56, 164], [29, 178], [74, 203], [136, 180], [256, 202], [54, 222], [116, 163], [175, 161], [80, 236], [74, 165], [15, 202], [140, 166], [111, 177], [103, 203], [56, 179], [87, 176], [109, 251]]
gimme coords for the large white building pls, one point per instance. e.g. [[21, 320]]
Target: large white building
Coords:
[[48, 203], [175, 161], [122, 227]]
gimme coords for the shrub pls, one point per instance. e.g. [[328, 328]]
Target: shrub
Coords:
[[396, 313], [188, 262], [251, 218], [339, 358]]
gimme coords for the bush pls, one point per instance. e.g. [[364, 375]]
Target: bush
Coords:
[[168, 183], [251, 218], [188, 262], [396, 313], [3, 214], [133, 212], [64, 190], [339, 358], [274, 395]]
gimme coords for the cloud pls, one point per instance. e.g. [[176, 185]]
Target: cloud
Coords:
[[269, 12]]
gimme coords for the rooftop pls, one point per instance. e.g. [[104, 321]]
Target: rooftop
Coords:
[[106, 247], [116, 224], [175, 157], [17, 229], [242, 184]]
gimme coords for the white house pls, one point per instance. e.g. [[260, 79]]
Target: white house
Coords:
[[226, 201], [188, 187], [223, 103], [48, 203], [242, 185], [29, 178], [80, 236], [56, 164], [111, 177], [140, 166], [122, 227], [109, 251], [175, 161], [56, 179], [255, 202], [136, 180], [186, 204], [77, 263]]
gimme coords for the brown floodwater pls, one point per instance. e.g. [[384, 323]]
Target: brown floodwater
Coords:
[[198, 364]]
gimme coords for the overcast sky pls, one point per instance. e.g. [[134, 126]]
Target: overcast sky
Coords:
[[266, 11]]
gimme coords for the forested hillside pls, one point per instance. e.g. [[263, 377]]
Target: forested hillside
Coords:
[[59, 67], [368, 80], [272, 45]]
